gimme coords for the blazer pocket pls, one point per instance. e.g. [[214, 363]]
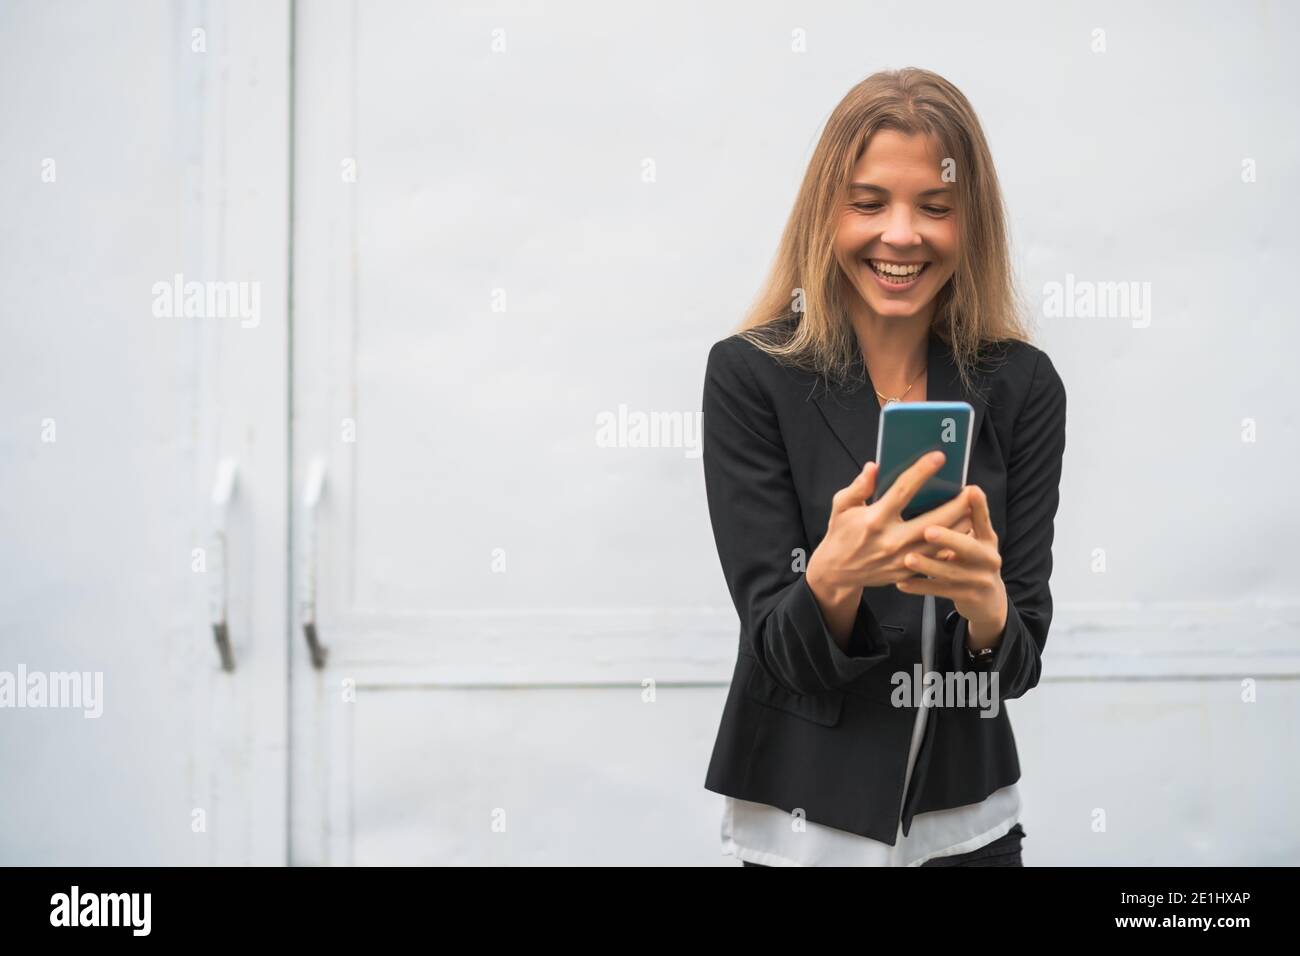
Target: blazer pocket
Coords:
[[821, 709]]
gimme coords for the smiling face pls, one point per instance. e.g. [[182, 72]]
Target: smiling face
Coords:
[[897, 237]]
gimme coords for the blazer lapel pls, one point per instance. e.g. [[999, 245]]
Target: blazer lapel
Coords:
[[853, 412]]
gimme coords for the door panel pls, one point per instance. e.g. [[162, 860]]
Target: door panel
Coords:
[[474, 360], [124, 162]]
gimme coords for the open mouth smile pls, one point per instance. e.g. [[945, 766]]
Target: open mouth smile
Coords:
[[896, 276]]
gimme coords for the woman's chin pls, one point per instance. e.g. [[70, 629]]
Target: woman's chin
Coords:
[[896, 308]]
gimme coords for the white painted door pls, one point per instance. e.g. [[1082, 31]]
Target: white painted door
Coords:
[[527, 631], [514, 226], [494, 219], [141, 149]]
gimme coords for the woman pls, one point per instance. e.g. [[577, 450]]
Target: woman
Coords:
[[892, 282]]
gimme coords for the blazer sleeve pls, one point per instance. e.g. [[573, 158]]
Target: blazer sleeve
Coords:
[[757, 527], [1033, 492]]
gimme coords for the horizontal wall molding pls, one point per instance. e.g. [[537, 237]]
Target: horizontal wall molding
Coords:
[[697, 646]]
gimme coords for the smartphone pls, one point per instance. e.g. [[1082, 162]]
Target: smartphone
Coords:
[[910, 430]]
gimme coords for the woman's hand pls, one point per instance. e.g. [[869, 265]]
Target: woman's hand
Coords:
[[971, 577], [865, 544]]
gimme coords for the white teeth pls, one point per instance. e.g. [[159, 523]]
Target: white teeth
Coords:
[[890, 269]]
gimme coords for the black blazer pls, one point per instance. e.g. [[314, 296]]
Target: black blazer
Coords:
[[806, 724]]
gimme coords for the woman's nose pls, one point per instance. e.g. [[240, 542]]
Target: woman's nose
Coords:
[[899, 230]]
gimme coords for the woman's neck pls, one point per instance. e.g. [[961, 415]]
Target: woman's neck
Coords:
[[895, 351]]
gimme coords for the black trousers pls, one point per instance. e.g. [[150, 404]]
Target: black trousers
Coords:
[[1004, 851]]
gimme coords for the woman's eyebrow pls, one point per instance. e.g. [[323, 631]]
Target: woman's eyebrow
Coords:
[[871, 187]]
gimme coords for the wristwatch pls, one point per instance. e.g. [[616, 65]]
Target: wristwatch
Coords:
[[981, 660]]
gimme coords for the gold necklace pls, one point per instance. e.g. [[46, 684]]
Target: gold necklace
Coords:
[[891, 401]]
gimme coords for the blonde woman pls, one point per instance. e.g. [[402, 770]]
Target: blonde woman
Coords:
[[892, 282]]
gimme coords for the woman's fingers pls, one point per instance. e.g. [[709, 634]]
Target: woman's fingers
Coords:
[[942, 578], [944, 572], [963, 526], [983, 522], [954, 514], [910, 481], [942, 589], [952, 510], [966, 547], [941, 551], [856, 493], [954, 517]]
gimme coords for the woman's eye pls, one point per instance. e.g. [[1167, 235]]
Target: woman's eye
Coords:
[[876, 207]]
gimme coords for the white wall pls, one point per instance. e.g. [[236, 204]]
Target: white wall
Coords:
[[523, 170], [131, 152]]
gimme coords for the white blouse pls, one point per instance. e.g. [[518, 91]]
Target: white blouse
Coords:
[[769, 835]]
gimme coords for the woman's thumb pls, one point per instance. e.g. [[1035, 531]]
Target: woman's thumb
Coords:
[[865, 484]]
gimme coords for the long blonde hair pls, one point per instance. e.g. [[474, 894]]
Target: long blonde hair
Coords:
[[977, 306]]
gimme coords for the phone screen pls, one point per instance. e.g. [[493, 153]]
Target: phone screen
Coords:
[[910, 430]]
